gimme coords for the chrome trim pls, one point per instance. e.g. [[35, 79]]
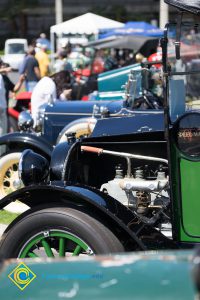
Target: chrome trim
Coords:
[[69, 114]]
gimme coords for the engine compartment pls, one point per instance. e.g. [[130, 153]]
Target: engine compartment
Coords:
[[133, 170]]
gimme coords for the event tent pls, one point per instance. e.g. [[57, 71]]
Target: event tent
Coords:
[[87, 24], [134, 28]]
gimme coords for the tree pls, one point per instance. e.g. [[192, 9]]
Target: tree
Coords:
[[15, 13]]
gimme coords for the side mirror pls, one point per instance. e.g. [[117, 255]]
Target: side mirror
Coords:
[[177, 50]]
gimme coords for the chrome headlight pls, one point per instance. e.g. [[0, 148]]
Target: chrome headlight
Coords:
[[25, 120], [33, 168]]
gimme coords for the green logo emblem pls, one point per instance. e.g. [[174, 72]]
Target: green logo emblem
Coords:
[[21, 276]]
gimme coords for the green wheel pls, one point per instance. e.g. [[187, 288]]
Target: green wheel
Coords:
[[44, 244], [57, 232]]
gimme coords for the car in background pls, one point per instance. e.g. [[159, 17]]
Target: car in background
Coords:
[[14, 52]]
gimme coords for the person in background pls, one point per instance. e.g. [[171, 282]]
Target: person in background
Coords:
[[8, 84], [49, 89], [30, 69], [62, 62], [43, 59], [42, 40], [139, 58], [98, 64], [3, 109]]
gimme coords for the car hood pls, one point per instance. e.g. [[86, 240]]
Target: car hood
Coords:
[[140, 121], [82, 107]]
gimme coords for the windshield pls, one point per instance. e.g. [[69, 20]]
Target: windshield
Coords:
[[184, 91], [16, 48], [144, 82]]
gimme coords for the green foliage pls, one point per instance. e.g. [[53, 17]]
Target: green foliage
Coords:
[[13, 8], [7, 217], [120, 13], [115, 12]]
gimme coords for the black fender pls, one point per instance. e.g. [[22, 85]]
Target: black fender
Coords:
[[25, 140], [106, 209], [59, 159]]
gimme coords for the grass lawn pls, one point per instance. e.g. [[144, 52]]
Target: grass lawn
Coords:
[[7, 217]]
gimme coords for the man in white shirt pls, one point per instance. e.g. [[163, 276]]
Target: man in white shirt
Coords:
[[50, 89], [44, 91]]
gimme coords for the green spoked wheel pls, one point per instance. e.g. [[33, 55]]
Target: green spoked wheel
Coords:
[[57, 232], [54, 243]]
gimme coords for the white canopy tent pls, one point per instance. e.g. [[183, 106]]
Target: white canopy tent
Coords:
[[86, 24]]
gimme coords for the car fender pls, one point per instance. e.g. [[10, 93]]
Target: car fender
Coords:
[[25, 140], [81, 127], [59, 159], [92, 201]]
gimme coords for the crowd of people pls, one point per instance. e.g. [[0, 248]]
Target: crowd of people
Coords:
[[60, 81], [34, 77]]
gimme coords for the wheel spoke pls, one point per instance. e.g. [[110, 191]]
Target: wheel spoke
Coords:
[[56, 240], [62, 247], [77, 250], [6, 177], [32, 254], [9, 177], [47, 248]]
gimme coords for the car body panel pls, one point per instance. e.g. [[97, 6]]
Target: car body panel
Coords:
[[136, 121], [114, 80], [111, 84], [142, 276], [61, 113]]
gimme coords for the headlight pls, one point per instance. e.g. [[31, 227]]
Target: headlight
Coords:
[[33, 168], [25, 120]]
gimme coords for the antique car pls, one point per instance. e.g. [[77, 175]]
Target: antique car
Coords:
[[120, 192], [59, 118], [111, 83]]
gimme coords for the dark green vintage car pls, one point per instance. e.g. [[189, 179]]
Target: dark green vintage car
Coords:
[[110, 193]]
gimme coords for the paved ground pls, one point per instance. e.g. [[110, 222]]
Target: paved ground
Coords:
[[2, 228], [16, 207]]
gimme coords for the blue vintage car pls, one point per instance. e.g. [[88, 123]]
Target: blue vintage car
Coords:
[[60, 118]]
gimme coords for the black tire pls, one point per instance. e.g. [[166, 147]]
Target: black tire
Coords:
[[12, 124], [99, 238]]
